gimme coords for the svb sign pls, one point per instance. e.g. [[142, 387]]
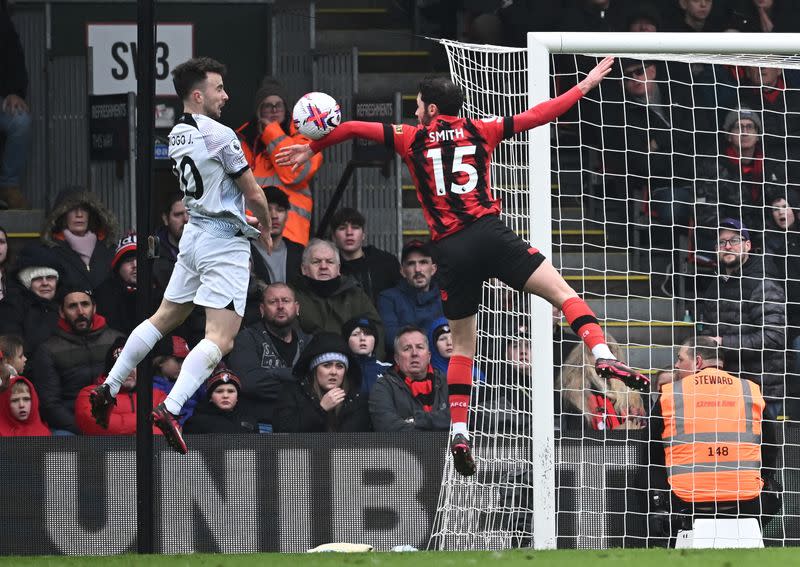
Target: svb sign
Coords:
[[114, 51]]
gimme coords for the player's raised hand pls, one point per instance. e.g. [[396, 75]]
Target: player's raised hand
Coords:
[[596, 75], [295, 155]]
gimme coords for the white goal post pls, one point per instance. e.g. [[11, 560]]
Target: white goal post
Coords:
[[500, 81]]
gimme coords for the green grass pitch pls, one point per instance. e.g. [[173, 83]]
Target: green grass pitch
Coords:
[[573, 558]]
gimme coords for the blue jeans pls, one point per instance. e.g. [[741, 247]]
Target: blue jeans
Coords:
[[17, 129], [265, 428], [62, 433]]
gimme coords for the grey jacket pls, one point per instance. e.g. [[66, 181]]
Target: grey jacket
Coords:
[[393, 408]]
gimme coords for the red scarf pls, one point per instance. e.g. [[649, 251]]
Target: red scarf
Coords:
[[771, 94], [422, 390], [752, 172], [11, 427], [602, 412]]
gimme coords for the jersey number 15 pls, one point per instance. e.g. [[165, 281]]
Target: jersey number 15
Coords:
[[189, 176], [435, 155]]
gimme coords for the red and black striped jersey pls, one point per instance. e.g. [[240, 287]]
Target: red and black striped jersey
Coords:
[[450, 163], [450, 159]]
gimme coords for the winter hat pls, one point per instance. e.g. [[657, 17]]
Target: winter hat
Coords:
[[27, 275], [329, 357], [222, 375], [733, 224], [174, 346], [415, 246], [270, 86], [438, 332], [113, 352], [362, 322], [125, 246], [735, 116]]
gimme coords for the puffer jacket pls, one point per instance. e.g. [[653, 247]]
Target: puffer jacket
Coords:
[[394, 408]]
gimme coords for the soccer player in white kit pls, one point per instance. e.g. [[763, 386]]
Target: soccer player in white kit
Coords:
[[212, 269]]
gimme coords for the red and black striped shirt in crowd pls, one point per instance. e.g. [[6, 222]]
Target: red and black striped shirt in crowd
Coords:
[[450, 158]]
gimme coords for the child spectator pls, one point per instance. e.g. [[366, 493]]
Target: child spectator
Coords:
[[221, 412], [441, 342], [122, 420], [361, 334], [19, 410], [326, 393], [167, 361], [13, 353]]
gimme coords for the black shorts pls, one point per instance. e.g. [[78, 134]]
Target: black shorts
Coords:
[[485, 249]]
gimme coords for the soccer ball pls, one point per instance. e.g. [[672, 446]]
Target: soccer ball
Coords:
[[316, 114]]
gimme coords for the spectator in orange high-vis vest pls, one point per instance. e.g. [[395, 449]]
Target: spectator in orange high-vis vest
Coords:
[[262, 137], [709, 444]]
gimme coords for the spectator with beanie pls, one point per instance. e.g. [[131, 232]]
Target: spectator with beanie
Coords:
[[283, 263], [221, 412], [116, 297], [412, 395], [122, 419], [262, 137], [264, 353], [19, 410], [71, 359], [168, 358], [416, 299], [30, 309], [374, 269], [361, 335], [78, 231], [440, 339], [326, 393]]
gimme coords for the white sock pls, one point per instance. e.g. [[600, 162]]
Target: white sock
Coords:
[[602, 351], [196, 368], [142, 340], [460, 427]]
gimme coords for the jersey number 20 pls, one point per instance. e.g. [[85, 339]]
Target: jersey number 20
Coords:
[[435, 155], [189, 175]]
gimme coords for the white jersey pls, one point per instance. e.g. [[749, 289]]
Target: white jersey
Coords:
[[207, 158]]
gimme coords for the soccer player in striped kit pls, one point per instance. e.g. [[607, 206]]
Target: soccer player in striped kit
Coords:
[[449, 159]]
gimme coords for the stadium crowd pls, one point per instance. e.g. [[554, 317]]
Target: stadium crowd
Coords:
[[339, 335]]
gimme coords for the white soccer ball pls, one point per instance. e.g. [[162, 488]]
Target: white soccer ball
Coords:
[[316, 114]]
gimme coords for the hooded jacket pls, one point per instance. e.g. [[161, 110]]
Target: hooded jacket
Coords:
[[209, 418], [749, 312], [67, 362], [101, 222], [123, 415], [11, 427], [260, 148], [298, 408]]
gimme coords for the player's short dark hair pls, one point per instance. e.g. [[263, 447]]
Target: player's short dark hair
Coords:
[[347, 215], [187, 75], [174, 197], [442, 92]]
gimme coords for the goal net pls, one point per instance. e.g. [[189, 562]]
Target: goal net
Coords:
[[625, 194]]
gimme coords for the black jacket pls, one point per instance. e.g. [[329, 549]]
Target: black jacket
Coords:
[[259, 366], [116, 301], [375, 271], [25, 314], [63, 365], [294, 257], [208, 418], [748, 310], [393, 408]]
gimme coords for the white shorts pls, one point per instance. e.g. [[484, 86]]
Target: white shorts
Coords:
[[210, 271]]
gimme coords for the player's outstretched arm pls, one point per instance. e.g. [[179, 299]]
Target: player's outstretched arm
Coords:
[[298, 154], [553, 108], [257, 203]]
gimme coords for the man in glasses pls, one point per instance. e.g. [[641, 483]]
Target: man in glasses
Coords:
[[262, 137], [745, 313]]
